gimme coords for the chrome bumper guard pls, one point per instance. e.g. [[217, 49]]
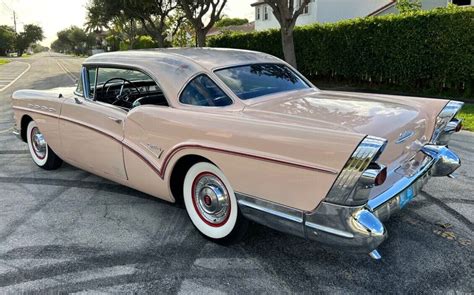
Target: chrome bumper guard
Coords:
[[355, 229]]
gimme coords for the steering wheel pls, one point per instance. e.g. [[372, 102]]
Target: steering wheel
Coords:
[[121, 96]]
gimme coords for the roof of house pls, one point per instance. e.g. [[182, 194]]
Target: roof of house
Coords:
[[383, 8], [259, 2], [245, 28]]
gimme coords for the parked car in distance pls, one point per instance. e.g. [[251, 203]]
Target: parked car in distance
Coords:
[[239, 135]]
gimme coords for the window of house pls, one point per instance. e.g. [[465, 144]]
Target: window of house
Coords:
[[306, 9], [462, 2], [202, 91], [265, 13], [257, 13]]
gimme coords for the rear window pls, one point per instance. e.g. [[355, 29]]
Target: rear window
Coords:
[[202, 91], [256, 80]]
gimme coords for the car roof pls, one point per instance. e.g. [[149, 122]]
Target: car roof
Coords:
[[172, 68], [208, 58]]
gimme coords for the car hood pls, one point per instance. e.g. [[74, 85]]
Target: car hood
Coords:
[[407, 123]]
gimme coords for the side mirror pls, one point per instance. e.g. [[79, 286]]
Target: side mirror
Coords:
[[77, 100]]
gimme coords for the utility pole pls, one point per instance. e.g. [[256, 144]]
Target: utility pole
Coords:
[[14, 20]]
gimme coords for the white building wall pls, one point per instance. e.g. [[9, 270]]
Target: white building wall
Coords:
[[261, 24], [336, 10], [272, 23], [425, 4], [430, 4], [326, 11]]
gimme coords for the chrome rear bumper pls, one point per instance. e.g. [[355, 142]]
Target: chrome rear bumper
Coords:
[[354, 229]]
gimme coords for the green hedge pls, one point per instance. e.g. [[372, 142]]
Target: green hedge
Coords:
[[427, 51]]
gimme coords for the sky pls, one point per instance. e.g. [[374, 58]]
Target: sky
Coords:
[[55, 15]]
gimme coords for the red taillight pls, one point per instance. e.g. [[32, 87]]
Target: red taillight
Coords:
[[459, 127], [381, 177]]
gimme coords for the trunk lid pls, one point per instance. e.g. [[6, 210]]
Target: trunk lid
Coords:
[[406, 122]]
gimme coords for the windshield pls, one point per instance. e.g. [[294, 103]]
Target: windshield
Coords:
[[256, 80]]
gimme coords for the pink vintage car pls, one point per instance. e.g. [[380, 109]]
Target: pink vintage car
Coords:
[[238, 135]]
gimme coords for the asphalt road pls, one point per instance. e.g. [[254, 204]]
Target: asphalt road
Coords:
[[70, 231]]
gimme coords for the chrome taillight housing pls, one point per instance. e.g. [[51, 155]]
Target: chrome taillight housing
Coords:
[[446, 123], [360, 173]]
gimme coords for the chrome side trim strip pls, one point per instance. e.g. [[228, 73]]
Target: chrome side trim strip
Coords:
[[54, 115], [271, 211], [330, 230], [270, 214]]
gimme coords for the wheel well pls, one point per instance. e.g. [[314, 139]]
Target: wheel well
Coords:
[[179, 173], [25, 120]]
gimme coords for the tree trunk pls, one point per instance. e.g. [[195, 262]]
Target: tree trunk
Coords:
[[288, 46], [160, 40], [201, 38]]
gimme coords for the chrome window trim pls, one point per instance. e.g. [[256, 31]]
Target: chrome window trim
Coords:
[[293, 70], [124, 67], [82, 80], [191, 79]]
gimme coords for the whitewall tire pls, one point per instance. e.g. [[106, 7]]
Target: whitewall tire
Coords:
[[211, 203], [41, 153]]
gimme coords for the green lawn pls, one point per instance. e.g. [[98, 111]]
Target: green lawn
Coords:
[[467, 113], [3, 61]]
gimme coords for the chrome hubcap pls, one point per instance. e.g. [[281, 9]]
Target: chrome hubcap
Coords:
[[211, 199], [38, 143]]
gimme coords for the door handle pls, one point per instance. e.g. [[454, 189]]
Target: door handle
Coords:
[[116, 120]]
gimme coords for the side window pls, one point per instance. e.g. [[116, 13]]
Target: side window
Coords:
[[91, 76], [202, 91], [125, 88], [80, 87]]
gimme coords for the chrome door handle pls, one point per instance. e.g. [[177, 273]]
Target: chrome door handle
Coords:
[[118, 121]]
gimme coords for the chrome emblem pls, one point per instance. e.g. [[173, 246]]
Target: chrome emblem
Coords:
[[404, 136], [154, 149]]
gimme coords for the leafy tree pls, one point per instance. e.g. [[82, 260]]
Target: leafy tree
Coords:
[[198, 11], [7, 39], [182, 31], [73, 40], [125, 30], [39, 48], [225, 22], [286, 13], [151, 14], [407, 6], [31, 34]]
